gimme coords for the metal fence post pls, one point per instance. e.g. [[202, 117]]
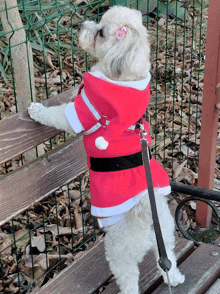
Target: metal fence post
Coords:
[[210, 113]]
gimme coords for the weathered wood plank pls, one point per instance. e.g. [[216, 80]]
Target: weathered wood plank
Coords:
[[149, 275], [19, 133], [41, 177], [183, 249], [84, 276], [91, 271], [215, 289], [201, 270]]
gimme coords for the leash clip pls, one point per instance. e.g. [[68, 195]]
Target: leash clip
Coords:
[[143, 132]]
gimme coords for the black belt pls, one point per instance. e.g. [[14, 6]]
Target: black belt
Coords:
[[110, 164]]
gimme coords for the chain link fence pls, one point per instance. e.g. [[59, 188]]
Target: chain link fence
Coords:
[[40, 58]]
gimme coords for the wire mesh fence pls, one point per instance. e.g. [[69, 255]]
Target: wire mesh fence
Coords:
[[38, 243]]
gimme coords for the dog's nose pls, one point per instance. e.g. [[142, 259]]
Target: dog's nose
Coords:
[[80, 25]]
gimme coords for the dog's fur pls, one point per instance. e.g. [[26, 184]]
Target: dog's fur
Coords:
[[127, 241]]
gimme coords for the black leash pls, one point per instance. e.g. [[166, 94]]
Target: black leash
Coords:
[[163, 261]]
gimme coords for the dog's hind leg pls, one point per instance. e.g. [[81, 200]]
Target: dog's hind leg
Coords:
[[167, 227], [121, 262], [125, 246]]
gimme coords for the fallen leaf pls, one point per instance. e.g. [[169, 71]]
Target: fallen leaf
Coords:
[[192, 204], [179, 168], [74, 194], [62, 230], [38, 242], [22, 236], [4, 250], [78, 219]]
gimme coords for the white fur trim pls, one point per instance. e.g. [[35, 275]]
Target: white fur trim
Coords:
[[139, 85], [101, 143], [132, 127], [72, 118], [163, 191], [90, 106], [127, 205], [108, 221]]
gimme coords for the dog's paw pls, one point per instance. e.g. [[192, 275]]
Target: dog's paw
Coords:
[[35, 110], [175, 277]]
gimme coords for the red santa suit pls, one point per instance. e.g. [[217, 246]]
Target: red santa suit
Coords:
[[106, 112]]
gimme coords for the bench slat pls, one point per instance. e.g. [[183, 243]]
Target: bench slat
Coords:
[[149, 275], [41, 177], [91, 271], [84, 276], [182, 250], [19, 133], [201, 270], [215, 289]]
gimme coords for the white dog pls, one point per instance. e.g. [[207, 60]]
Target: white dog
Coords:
[[114, 97]]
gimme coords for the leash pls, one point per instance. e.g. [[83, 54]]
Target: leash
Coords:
[[163, 261]]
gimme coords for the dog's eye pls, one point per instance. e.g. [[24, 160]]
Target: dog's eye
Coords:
[[101, 33]]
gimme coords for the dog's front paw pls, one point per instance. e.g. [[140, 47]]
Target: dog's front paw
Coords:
[[175, 277], [35, 110]]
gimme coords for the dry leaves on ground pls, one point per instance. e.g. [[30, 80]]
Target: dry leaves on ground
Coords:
[[47, 236]]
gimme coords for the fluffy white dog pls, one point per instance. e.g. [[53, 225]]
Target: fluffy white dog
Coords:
[[120, 42]]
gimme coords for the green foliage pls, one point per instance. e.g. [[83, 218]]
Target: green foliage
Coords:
[[209, 236], [173, 9], [169, 8], [198, 4]]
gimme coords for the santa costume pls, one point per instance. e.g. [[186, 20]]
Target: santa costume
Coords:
[[106, 111]]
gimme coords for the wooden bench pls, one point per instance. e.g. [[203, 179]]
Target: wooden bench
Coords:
[[91, 272], [29, 183], [39, 178]]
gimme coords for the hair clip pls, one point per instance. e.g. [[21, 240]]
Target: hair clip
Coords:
[[120, 33]]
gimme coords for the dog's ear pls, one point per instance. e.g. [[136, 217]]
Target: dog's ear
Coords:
[[130, 54]]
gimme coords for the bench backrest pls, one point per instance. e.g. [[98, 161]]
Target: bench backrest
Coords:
[[41, 177]]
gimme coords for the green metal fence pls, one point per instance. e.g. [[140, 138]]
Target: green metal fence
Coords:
[[46, 238]]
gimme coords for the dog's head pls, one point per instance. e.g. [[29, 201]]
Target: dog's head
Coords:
[[120, 42]]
